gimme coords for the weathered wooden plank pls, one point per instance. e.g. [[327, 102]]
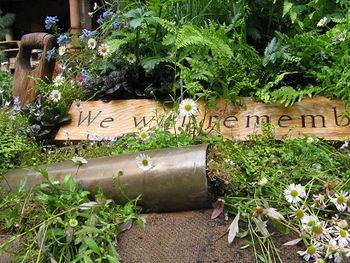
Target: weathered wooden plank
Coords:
[[317, 116]]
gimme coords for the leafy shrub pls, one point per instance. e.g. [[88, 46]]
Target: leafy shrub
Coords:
[[70, 227]]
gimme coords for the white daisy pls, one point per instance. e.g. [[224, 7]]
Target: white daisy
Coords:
[[131, 58], [55, 95], [91, 43], [144, 162], [103, 50], [298, 212], [294, 193], [321, 231], [343, 237], [79, 160], [143, 135], [188, 107], [312, 252], [340, 200], [323, 21], [58, 81], [62, 50]]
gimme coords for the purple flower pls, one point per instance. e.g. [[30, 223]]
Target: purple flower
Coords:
[[50, 21], [16, 103], [117, 24], [62, 39], [51, 54], [86, 34]]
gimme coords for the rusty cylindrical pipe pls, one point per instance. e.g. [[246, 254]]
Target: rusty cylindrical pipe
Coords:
[[178, 180], [74, 16]]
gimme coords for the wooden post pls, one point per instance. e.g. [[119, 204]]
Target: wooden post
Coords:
[[74, 16], [85, 8]]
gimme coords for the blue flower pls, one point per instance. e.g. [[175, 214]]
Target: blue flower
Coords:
[[83, 78], [117, 24], [100, 20], [86, 34], [50, 21], [62, 39], [104, 16], [51, 54], [107, 14]]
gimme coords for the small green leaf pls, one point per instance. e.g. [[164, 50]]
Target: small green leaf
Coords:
[[287, 6], [113, 259], [91, 244]]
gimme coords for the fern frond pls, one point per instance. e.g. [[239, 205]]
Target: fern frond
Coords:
[[288, 95], [189, 35], [149, 63], [169, 26]]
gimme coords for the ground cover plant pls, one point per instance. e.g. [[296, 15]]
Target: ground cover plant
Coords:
[[170, 50]]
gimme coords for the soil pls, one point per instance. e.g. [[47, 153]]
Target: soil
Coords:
[[189, 237]]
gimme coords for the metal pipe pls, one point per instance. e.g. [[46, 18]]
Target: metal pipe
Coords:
[[178, 180], [74, 16]]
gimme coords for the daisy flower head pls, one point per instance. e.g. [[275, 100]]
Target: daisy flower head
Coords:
[[103, 50], [144, 162], [143, 135], [79, 160], [340, 200], [55, 95], [294, 193], [343, 237], [313, 251], [91, 43], [131, 58], [62, 50], [298, 212], [320, 230], [58, 81], [188, 107]]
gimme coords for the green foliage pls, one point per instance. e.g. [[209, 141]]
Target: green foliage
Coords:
[[62, 222], [5, 86], [12, 145]]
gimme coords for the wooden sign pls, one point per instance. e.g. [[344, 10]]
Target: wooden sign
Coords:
[[317, 116]]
